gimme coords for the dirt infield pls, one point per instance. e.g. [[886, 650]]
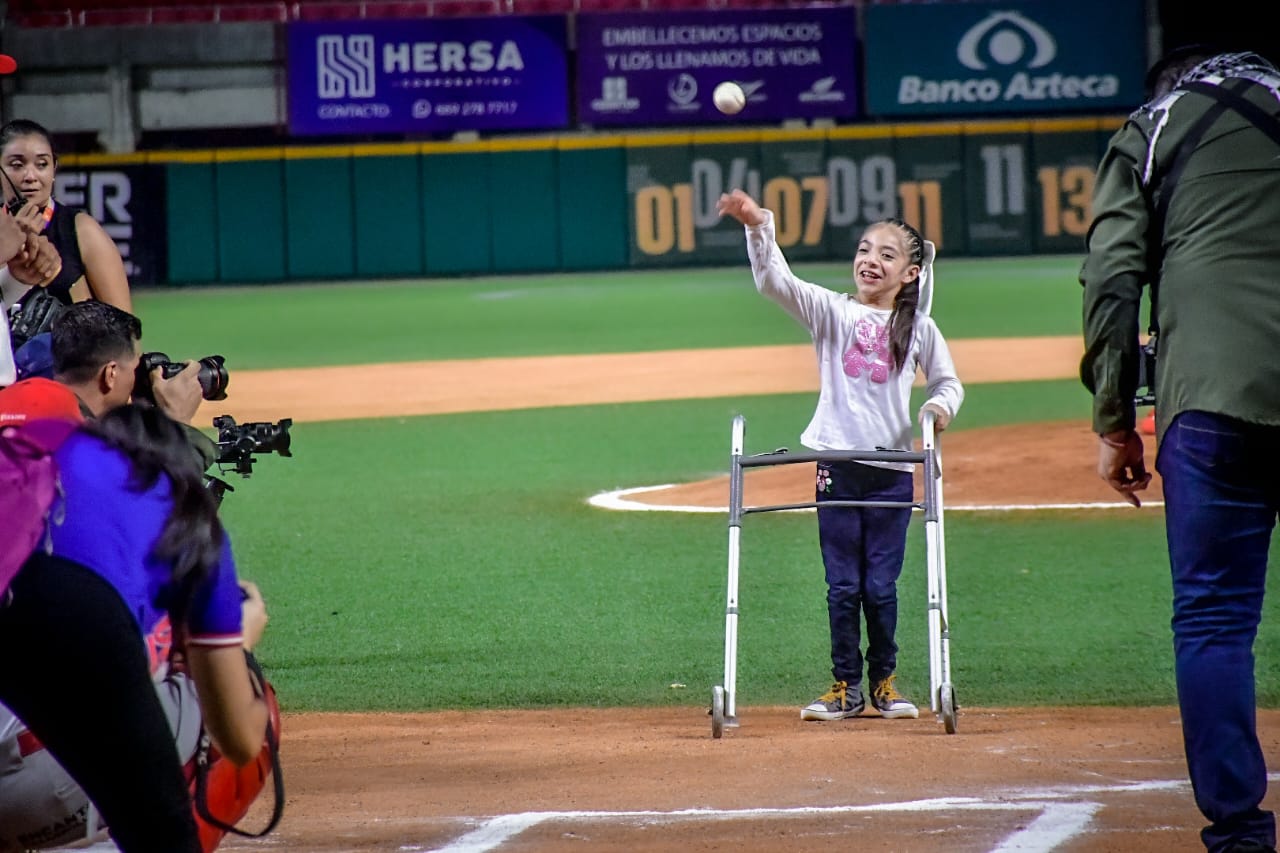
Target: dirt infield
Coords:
[[1077, 779], [496, 384], [1025, 465], [651, 781]]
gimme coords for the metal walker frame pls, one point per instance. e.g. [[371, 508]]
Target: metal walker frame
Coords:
[[941, 692]]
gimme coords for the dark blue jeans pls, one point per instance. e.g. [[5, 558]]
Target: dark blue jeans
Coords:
[[862, 551], [1222, 493]]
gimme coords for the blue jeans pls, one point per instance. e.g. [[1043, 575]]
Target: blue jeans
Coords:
[[1222, 493], [862, 551]]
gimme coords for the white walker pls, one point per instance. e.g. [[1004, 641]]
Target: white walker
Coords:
[[941, 693]]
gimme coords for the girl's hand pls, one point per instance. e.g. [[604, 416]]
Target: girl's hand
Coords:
[[741, 207], [941, 418]]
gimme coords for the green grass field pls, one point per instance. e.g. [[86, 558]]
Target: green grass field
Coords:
[[452, 561]]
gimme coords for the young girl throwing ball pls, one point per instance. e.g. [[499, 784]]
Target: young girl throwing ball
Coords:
[[869, 343]]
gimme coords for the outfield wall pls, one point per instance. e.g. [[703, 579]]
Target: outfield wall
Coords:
[[575, 202]]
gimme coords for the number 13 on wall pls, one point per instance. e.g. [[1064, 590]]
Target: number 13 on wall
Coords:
[[1067, 195]]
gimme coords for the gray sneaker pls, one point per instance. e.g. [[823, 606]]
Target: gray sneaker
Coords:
[[889, 702], [839, 702]]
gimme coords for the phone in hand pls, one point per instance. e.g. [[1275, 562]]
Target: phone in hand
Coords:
[[14, 204]]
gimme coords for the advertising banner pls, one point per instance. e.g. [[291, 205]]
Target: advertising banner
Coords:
[[128, 201], [1016, 58], [646, 69], [427, 75]]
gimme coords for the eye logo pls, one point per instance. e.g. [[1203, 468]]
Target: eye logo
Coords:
[[683, 89], [344, 66], [1005, 38]]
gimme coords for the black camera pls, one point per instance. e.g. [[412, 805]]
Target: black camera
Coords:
[[213, 375], [239, 443], [1146, 392]]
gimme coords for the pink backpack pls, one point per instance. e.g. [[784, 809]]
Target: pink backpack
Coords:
[[29, 489]]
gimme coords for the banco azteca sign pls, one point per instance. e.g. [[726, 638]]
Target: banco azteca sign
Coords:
[[969, 58]]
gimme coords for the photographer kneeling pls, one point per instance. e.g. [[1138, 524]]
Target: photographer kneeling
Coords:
[[96, 350], [96, 356], [139, 539]]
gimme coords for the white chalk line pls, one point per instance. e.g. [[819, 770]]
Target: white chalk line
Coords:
[[618, 500], [493, 833], [1057, 823]]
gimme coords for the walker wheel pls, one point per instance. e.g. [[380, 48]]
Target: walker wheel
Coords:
[[717, 711], [947, 701]]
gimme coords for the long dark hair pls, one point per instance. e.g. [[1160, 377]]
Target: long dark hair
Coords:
[[157, 445], [25, 127], [903, 319]]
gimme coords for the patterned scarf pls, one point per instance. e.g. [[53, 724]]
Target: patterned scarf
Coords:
[[1214, 70]]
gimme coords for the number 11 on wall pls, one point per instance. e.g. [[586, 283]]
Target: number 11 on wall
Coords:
[[922, 207]]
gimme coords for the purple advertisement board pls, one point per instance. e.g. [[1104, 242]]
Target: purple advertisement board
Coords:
[[647, 69], [427, 75]]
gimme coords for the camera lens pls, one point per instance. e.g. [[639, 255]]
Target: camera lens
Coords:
[[213, 377]]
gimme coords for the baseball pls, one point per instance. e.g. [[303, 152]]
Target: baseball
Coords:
[[729, 98]]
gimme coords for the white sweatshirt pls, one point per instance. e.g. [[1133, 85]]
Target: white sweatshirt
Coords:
[[863, 403], [8, 372]]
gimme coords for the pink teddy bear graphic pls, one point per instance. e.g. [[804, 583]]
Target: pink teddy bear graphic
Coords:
[[870, 352]]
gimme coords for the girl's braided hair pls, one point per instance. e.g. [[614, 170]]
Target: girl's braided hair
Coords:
[[903, 319]]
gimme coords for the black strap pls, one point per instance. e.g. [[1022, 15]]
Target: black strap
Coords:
[[1230, 95], [1226, 96], [202, 770]]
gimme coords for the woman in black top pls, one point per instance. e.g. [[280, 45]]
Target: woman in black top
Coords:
[[91, 264]]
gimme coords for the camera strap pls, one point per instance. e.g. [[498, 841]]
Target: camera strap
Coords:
[[241, 785], [1226, 97]]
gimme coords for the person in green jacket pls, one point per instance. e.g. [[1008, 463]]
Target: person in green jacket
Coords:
[[1187, 204]]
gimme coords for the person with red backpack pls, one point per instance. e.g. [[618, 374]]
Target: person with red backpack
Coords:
[[40, 804], [132, 537]]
